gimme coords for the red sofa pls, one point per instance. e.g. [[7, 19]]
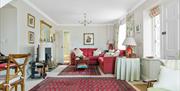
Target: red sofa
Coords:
[[107, 64], [88, 52]]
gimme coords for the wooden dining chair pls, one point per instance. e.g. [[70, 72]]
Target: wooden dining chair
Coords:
[[18, 63]]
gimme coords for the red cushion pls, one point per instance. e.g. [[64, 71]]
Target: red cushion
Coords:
[[90, 51], [4, 65], [85, 52], [122, 53]]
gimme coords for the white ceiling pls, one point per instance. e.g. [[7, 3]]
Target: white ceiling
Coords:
[[99, 11]]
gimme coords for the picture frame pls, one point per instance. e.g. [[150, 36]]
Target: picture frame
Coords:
[[31, 37], [31, 20], [88, 38], [45, 32]]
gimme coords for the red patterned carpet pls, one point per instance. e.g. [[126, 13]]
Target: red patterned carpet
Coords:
[[70, 70], [82, 84]]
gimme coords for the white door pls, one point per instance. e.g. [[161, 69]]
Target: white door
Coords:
[[66, 44], [170, 29]]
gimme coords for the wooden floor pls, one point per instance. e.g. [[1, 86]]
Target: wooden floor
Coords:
[[142, 87]]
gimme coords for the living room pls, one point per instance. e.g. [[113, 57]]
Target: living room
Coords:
[[124, 43]]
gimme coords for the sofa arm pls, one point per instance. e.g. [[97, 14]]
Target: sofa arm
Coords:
[[73, 57]]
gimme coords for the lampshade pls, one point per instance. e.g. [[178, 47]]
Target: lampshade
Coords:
[[110, 41], [129, 41]]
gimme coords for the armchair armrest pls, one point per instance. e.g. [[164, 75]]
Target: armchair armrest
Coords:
[[109, 59]]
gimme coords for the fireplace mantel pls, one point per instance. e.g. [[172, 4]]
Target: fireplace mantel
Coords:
[[42, 50]]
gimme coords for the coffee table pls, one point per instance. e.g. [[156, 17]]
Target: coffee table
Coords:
[[82, 63]]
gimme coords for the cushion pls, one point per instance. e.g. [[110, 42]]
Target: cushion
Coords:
[[90, 51], [78, 52], [97, 52], [173, 64], [117, 52], [108, 54], [157, 89], [169, 79], [85, 51]]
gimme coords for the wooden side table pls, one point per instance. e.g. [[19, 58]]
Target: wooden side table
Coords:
[[127, 68]]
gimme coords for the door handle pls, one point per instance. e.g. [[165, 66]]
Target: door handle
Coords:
[[163, 33]]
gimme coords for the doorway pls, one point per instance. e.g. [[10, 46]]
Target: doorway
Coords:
[[66, 49]]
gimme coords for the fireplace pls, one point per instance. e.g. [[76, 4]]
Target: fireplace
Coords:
[[48, 55], [46, 52]]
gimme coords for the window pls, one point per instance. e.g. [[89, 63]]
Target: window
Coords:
[[156, 35], [122, 36]]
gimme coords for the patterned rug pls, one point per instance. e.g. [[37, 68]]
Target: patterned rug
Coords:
[[70, 70], [82, 84]]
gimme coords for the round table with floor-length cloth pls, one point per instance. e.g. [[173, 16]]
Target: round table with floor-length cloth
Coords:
[[127, 69]]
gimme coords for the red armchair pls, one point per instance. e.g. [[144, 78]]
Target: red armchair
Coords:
[[107, 64]]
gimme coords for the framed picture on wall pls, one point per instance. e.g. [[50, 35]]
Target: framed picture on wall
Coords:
[[88, 38], [31, 37], [45, 32], [30, 20]]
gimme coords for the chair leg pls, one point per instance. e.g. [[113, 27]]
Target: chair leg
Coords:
[[16, 87], [7, 88], [22, 86]]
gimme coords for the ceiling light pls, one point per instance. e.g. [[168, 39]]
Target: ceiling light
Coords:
[[85, 21]]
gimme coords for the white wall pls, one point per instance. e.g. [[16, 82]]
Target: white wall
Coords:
[[4, 2], [17, 31], [138, 20], [8, 30], [22, 10], [102, 33]]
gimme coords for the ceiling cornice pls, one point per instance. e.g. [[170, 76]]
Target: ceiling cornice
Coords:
[[131, 10], [40, 11], [136, 6], [83, 25]]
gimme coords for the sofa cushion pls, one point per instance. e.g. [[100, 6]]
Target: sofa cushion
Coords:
[[97, 52], [84, 50], [78, 52], [169, 79], [93, 58], [90, 51], [116, 53], [108, 54]]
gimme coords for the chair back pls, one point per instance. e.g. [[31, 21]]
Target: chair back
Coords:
[[20, 61], [173, 64]]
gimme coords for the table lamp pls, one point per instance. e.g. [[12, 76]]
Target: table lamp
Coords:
[[129, 42]]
